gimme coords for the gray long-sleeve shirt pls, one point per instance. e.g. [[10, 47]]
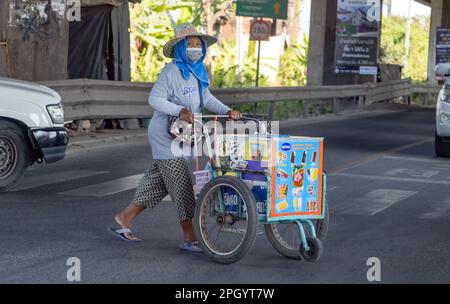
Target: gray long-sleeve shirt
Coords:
[[169, 95]]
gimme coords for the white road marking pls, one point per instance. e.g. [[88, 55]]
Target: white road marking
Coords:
[[378, 155], [56, 177], [110, 187], [394, 179], [412, 172], [441, 210], [107, 188], [331, 188], [377, 201], [441, 168], [385, 198], [417, 159], [436, 164]]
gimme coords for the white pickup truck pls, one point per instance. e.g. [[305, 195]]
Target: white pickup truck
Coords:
[[31, 129], [442, 138]]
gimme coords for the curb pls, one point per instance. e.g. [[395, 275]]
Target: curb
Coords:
[[90, 143]]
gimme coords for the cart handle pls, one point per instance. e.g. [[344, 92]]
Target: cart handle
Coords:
[[247, 118]]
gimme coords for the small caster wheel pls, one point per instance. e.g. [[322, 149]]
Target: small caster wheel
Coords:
[[315, 250]]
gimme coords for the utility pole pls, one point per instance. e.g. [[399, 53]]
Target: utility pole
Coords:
[[389, 8], [239, 46], [207, 19]]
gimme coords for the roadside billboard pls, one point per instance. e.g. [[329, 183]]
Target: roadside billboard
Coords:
[[357, 36], [442, 45]]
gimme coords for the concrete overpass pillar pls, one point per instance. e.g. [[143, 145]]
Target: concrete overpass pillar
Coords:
[[317, 31]]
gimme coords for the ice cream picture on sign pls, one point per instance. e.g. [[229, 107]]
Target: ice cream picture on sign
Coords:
[[297, 184]]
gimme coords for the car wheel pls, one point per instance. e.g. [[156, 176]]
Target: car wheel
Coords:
[[14, 155], [441, 148]]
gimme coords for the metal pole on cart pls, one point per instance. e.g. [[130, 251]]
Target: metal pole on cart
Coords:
[[203, 129], [196, 154]]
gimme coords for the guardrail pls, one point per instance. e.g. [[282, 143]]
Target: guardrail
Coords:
[[425, 94], [97, 99]]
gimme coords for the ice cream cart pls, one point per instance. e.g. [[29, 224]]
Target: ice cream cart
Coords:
[[275, 180]]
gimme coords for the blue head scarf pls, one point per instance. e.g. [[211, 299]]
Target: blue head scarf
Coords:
[[186, 66]]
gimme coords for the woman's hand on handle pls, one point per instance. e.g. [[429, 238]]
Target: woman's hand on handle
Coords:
[[187, 116], [234, 115]]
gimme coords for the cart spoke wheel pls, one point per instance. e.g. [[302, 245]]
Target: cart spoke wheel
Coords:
[[288, 235], [223, 229], [285, 236], [226, 219]]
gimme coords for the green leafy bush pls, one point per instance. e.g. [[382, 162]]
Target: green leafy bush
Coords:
[[293, 64], [225, 71]]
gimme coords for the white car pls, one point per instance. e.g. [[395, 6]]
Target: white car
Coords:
[[31, 129], [442, 138]]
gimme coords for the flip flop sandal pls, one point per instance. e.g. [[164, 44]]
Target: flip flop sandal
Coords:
[[191, 247], [120, 233]]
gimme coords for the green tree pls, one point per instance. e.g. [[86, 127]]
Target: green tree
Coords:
[[152, 23], [392, 49]]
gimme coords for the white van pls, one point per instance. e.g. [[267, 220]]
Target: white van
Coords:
[[31, 129]]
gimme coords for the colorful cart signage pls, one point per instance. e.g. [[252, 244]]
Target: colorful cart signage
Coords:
[[294, 189], [296, 183]]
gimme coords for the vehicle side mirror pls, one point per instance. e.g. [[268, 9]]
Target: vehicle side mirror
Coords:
[[442, 70]]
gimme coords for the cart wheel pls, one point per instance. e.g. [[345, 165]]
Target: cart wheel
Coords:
[[285, 237], [315, 250], [226, 219]]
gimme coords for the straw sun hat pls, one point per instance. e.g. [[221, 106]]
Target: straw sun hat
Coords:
[[182, 31]]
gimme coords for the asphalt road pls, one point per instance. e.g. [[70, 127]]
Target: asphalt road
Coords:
[[389, 198]]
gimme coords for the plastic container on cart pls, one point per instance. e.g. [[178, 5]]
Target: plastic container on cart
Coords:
[[201, 179]]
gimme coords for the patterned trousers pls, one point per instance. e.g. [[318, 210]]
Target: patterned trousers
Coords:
[[168, 176]]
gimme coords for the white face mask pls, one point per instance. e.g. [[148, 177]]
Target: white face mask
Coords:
[[194, 54]]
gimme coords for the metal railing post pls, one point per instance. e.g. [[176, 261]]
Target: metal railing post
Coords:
[[336, 105], [271, 109], [361, 103], [305, 108]]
